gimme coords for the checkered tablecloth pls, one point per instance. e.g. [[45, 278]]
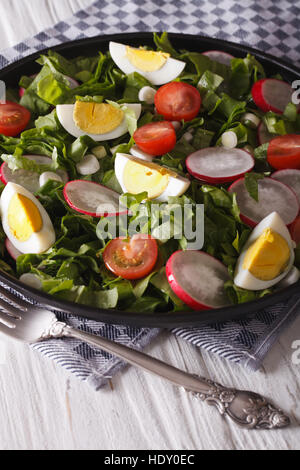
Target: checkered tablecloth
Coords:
[[268, 25]]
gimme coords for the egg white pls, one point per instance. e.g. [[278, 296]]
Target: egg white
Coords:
[[38, 242], [168, 72], [176, 186], [65, 117], [243, 278]]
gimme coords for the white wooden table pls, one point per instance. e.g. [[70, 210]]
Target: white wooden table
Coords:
[[42, 407]]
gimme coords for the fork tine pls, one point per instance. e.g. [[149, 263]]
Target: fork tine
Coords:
[[12, 298], [10, 309], [7, 321]]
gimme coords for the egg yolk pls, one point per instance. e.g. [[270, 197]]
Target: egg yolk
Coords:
[[24, 218], [97, 118], [268, 256], [139, 177], [147, 61]]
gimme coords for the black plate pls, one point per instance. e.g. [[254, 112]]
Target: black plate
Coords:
[[27, 66]]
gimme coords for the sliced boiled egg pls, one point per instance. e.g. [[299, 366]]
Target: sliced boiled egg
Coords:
[[267, 256], [100, 121], [25, 221], [157, 66], [136, 176]]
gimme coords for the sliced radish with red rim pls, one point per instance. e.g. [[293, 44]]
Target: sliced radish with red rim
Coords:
[[219, 164], [90, 198], [263, 135], [219, 56], [198, 279], [290, 177], [295, 230], [270, 94], [273, 196], [26, 178], [72, 82], [11, 249]]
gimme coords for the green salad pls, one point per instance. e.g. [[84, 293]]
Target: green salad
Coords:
[[162, 129]]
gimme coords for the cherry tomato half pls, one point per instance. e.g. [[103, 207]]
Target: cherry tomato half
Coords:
[[131, 258], [178, 100], [156, 138], [295, 230], [13, 118], [284, 152]]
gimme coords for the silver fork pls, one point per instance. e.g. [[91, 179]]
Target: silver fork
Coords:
[[25, 322]]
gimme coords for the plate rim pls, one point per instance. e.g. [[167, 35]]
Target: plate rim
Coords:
[[165, 319]]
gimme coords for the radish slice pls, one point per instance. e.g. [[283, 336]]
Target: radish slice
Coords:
[[198, 279], [219, 164], [14, 253], [263, 135], [270, 94], [90, 198], [26, 178], [1, 176], [219, 56], [72, 82], [295, 230], [274, 196], [289, 177]]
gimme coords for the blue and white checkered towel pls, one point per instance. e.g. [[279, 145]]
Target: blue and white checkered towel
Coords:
[[268, 25]]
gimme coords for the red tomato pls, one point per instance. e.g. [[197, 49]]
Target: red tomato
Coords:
[[178, 100], [131, 259], [156, 138], [295, 230], [13, 118], [284, 152]]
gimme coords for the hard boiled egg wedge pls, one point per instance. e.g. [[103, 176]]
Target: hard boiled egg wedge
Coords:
[[267, 257], [158, 67], [100, 121], [25, 222], [136, 176]]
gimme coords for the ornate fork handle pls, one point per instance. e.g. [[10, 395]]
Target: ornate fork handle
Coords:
[[247, 409]]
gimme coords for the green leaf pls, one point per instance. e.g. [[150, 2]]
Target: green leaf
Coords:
[[130, 116], [146, 305], [90, 99], [290, 112], [202, 138], [50, 121], [260, 153], [251, 183], [134, 82], [163, 44], [160, 281], [209, 81], [52, 91], [17, 162]]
